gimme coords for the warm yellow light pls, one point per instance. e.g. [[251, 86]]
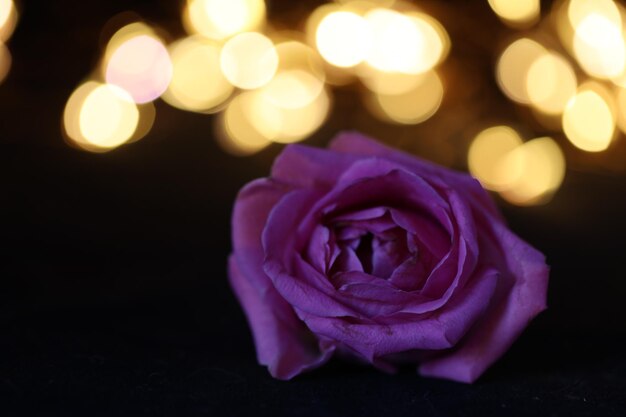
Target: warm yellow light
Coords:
[[287, 124], [197, 83], [487, 158], [8, 19], [414, 106], [293, 89], [516, 11], [295, 55], [108, 116], [390, 83], [551, 83], [621, 108], [141, 66], [99, 117], [343, 38], [436, 41], [513, 67], [579, 10], [236, 134], [542, 171], [220, 19], [147, 115], [249, 60], [588, 121], [599, 46], [124, 34], [5, 61], [397, 43]]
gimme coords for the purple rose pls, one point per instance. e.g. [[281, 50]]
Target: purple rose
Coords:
[[365, 251]]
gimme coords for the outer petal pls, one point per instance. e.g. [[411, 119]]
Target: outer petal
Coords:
[[441, 330], [307, 167], [505, 321], [283, 342], [356, 144]]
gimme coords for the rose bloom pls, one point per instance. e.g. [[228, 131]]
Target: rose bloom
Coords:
[[367, 252]]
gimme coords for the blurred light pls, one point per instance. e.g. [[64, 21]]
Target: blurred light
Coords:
[[5, 62], [220, 19], [294, 55], [287, 124], [542, 171], [599, 46], [99, 117], [397, 43], [8, 19], [517, 12], [487, 157], [197, 83], [140, 65], [551, 83], [621, 109], [392, 83], [436, 41], [124, 34], [343, 38], [293, 89], [249, 60], [413, 106], [147, 115], [235, 132], [588, 121], [513, 67], [579, 10]]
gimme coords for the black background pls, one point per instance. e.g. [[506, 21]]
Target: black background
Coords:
[[113, 292]]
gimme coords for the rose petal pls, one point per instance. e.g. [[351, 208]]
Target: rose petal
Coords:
[[441, 330], [505, 321], [282, 343], [308, 167], [356, 144]]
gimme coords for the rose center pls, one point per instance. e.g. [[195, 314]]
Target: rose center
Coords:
[[377, 254]]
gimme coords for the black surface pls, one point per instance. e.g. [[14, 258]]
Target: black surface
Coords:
[[113, 291]]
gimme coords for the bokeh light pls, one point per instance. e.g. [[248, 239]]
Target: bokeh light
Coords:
[[579, 10], [411, 107], [397, 43], [235, 133], [588, 119], [391, 83], [8, 19], [599, 46], [99, 117], [293, 89], [539, 166], [220, 19], [487, 157], [286, 124], [621, 108], [523, 173], [517, 12], [197, 83], [343, 38], [5, 62], [295, 55], [436, 41], [249, 60], [513, 67], [551, 83], [140, 65]]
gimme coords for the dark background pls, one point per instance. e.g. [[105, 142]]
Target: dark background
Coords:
[[113, 292]]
